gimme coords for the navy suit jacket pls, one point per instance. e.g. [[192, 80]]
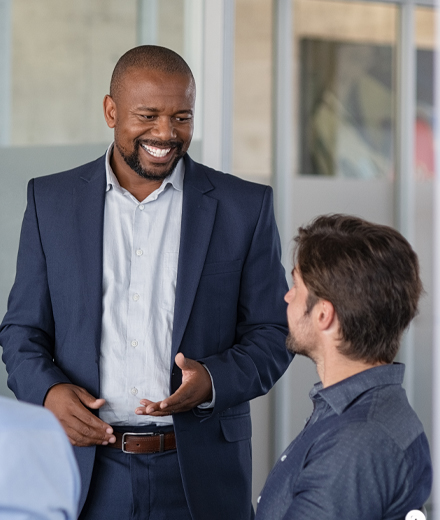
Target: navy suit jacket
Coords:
[[229, 314]]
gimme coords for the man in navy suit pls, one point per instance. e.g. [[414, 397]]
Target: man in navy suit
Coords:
[[147, 308]]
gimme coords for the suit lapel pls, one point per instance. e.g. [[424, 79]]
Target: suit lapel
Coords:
[[198, 216], [89, 218]]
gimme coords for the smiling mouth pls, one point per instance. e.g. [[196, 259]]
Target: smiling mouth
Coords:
[[156, 152]]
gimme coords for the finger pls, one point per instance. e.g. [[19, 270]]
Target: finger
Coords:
[[156, 413], [184, 363], [140, 410], [81, 425], [85, 428], [182, 400], [88, 399], [84, 433], [150, 406], [87, 417], [166, 412], [155, 409], [146, 402], [81, 436]]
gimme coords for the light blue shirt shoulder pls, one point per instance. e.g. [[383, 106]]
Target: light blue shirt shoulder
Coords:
[[39, 477]]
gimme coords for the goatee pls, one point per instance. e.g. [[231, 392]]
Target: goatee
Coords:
[[133, 161]]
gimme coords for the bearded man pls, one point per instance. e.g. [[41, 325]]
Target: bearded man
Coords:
[[147, 309], [363, 453]]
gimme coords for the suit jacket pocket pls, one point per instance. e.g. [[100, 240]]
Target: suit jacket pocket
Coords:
[[236, 427], [221, 267]]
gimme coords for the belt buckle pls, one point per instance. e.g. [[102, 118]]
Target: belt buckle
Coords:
[[145, 434]]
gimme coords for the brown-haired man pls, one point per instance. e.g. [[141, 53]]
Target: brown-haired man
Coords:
[[363, 453]]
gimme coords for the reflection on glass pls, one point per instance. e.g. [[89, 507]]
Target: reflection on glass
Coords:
[[345, 52], [346, 99], [424, 135], [346, 109]]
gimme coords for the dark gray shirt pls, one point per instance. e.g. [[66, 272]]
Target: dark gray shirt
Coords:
[[363, 454]]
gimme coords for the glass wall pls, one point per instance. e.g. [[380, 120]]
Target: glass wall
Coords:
[[356, 113], [63, 54], [252, 116], [424, 124], [346, 61], [421, 357]]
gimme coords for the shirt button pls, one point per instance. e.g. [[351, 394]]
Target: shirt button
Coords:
[[134, 343], [258, 499], [134, 391], [136, 297], [141, 207], [283, 458], [139, 252]]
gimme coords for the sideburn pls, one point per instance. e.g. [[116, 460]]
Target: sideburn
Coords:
[[311, 301]]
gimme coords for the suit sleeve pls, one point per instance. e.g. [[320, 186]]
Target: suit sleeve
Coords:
[[27, 331], [259, 357]]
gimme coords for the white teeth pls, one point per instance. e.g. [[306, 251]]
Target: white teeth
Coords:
[[156, 152]]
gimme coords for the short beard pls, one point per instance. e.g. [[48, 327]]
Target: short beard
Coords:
[[132, 160], [294, 346], [302, 348]]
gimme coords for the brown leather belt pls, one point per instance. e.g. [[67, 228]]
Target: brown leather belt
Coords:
[[144, 442]]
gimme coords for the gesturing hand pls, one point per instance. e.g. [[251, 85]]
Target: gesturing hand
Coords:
[[69, 403], [196, 388]]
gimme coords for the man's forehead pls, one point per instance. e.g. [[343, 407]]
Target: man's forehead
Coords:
[[156, 81], [146, 72]]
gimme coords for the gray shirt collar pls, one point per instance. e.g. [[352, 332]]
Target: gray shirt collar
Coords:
[[340, 395]]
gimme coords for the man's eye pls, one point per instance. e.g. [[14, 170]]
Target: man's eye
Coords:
[[183, 119]]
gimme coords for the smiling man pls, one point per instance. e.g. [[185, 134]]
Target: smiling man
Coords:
[[363, 454], [147, 309]]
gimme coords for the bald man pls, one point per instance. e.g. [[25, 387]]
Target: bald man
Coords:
[[148, 309]]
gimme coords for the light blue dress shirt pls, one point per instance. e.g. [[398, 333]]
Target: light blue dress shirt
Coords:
[[39, 477], [141, 251]]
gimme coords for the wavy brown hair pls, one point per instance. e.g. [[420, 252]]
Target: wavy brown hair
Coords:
[[369, 273]]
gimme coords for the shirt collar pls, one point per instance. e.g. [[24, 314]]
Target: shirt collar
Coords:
[[175, 179], [340, 395]]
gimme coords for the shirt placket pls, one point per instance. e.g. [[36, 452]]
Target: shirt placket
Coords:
[[137, 308]]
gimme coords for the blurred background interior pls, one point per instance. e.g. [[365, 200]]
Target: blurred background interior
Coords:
[[331, 102]]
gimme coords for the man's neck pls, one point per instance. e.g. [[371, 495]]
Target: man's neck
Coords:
[[335, 367]]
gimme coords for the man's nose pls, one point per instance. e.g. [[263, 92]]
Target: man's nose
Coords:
[[164, 129], [288, 296]]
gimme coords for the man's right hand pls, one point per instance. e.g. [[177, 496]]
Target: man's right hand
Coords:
[[69, 403]]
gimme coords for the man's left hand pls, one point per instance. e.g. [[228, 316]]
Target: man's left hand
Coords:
[[196, 388]]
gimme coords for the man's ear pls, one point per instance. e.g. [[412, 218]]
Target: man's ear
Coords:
[[110, 111], [325, 315]]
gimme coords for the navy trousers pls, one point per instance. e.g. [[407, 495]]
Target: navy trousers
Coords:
[[135, 487]]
